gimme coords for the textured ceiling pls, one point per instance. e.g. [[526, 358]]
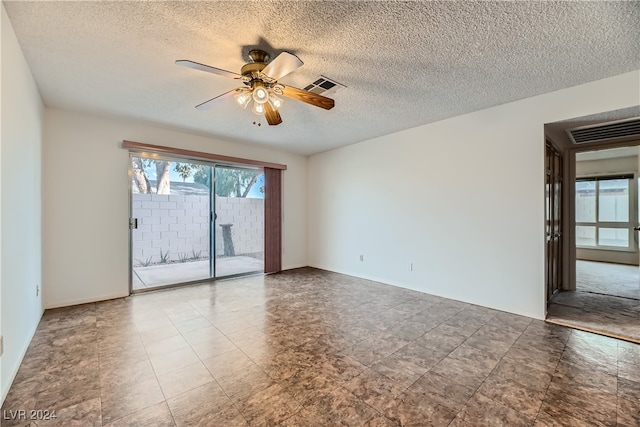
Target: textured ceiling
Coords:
[[404, 63]]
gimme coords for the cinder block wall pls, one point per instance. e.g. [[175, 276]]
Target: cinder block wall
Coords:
[[247, 217], [179, 224]]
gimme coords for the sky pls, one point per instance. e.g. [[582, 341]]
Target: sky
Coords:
[[255, 190]]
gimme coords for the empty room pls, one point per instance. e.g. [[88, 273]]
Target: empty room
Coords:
[[319, 213]]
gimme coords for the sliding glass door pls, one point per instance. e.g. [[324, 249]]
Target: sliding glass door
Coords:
[[239, 220], [182, 211]]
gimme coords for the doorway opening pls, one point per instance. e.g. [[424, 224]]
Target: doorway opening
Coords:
[[193, 220], [604, 293], [599, 216]]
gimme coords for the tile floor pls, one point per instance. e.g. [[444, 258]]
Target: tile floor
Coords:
[[313, 348]]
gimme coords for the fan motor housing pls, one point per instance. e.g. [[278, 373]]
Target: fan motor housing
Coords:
[[252, 67]]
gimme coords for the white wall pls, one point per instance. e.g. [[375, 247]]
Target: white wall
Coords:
[[614, 165], [85, 175], [20, 201], [461, 198]]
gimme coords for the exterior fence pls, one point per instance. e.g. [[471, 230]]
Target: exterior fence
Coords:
[[178, 225]]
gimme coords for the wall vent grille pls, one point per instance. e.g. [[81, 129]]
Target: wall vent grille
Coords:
[[597, 133], [324, 86]]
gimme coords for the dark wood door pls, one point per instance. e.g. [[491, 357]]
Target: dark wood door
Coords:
[[553, 214]]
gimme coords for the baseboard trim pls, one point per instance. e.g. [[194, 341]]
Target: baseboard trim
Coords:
[[294, 266], [86, 300]]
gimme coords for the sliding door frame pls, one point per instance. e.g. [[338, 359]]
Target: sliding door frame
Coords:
[[155, 156], [214, 183], [156, 151]]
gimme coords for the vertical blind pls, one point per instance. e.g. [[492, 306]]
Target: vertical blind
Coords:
[[272, 220]]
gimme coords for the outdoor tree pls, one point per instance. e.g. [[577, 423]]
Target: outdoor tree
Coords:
[[162, 176], [139, 176], [184, 170], [141, 179], [235, 182], [202, 175], [229, 182]]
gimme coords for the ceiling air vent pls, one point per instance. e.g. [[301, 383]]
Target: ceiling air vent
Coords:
[[324, 86], [597, 133]]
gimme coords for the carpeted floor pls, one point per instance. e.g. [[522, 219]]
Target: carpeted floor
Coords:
[[607, 301], [608, 279]]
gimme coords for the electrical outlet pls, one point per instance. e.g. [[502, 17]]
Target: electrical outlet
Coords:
[[1, 345], [410, 266], [361, 257]]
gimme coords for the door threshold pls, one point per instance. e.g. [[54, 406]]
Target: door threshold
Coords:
[[210, 280], [590, 330]]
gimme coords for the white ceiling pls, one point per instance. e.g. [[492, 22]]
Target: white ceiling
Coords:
[[404, 63], [609, 153]]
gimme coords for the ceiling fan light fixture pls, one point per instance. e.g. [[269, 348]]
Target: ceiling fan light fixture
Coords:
[[243, 98], [260, 94], [258, 108], [260, 85], [275, 101]]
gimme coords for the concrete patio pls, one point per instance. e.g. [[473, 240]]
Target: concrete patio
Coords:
[[166, 274]]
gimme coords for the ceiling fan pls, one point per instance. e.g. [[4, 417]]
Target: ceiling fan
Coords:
[[261, 85]]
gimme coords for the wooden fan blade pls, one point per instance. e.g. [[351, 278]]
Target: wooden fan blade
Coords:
[[207, 105], [308, 97], [282, 65], [207, 68], [272, 115]]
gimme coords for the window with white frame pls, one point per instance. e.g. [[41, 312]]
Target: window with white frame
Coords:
[[604, 212]]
